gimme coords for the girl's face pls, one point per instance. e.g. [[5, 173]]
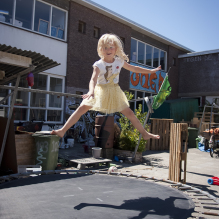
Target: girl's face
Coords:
[[109, 51]]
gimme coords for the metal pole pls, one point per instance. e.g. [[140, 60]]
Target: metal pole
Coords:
[[11, 110], [136, 148], [150, 110]]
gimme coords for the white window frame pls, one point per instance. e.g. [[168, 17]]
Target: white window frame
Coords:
[[135, 98], [33, 17], [152, 59], [46, 108]]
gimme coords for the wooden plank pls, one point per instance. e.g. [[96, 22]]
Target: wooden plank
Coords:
[[148, 143], [170, 154], [153, 131], [164, 135], [16, 60], [157, 131], [161, 147], [167, 141]]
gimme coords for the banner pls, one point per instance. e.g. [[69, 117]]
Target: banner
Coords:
[[164, 92]]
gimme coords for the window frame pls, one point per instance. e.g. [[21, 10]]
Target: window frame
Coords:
[[84, 27], [152, 58], [46, 108], [98, 31], [135, 98], [33, 17]]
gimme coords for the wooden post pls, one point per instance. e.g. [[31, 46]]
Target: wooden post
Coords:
[[178, 151]]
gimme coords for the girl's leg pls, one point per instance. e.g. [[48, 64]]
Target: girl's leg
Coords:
[[136, 123], [71, 120]]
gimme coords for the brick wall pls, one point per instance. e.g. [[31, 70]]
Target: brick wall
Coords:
[[82, 48], [174, 71], [64, 4]]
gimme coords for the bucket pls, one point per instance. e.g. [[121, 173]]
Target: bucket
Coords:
[[96, 151], [104, 131]]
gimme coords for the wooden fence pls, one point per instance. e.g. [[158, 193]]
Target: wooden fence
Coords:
[[160, 127], [178, 151]]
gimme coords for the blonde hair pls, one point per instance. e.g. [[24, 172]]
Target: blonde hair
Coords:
[[111, 39]]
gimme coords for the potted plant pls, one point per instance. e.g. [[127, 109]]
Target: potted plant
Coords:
[[128, 137]]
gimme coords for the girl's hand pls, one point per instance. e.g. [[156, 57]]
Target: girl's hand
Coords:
[[88, 95], [158, 68]]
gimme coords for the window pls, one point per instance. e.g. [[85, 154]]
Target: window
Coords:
[[162, 59], [133, 50], [6, 10], [156, 58], [123, 40], [58, 23], [55, 85], [96, 32], [34, 15], [42, 17], [147, 55], [141, 52], [39, 99], [23, 13], [134, 104], [81, 27], [174, 61], [37, 106]]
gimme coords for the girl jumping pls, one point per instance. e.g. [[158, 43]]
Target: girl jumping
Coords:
[[105, 94]]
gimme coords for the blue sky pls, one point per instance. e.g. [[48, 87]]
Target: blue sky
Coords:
[[191, 23]]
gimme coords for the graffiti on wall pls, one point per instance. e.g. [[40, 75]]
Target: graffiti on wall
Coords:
[[146, 82]]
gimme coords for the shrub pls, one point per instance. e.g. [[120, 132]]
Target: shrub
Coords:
[[129, 136]]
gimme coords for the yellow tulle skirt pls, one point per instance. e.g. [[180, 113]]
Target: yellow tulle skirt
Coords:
[[108, 98]]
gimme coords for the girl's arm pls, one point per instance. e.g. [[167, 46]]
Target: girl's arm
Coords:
[[92, 84], [137, 69]]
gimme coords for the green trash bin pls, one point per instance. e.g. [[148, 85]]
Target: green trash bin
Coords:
[[193, 134], [47, 149]]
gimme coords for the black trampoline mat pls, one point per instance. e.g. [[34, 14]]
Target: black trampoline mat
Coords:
[[84, 196]]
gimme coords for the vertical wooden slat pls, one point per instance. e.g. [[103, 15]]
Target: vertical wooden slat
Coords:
[[161, 134], [168, 127], [178, 135], [173, 152], [153, 131], [164, 146], [170, 153]]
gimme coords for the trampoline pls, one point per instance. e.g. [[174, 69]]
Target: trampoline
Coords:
[[83, 196]]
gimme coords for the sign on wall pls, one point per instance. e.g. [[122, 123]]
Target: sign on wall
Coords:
[[146, 82]]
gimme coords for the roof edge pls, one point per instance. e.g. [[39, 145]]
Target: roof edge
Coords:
[[138, 27], [199, 53]]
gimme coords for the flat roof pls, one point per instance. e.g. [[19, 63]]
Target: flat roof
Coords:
[[199, 53], [135, 26]]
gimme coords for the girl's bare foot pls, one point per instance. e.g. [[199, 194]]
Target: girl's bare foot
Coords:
[[58, 132], [149, 135]]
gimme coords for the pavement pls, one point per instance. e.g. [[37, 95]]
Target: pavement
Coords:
[[200, 167]]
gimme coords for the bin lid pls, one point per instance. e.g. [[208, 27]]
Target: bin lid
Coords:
[[190, 128], [43, 133]]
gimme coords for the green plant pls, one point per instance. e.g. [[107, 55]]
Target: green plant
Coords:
[[129, 135]]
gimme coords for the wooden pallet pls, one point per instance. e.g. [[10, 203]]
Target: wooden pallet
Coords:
[[178, 151], [83, 160], [160, 127], [206, 117]]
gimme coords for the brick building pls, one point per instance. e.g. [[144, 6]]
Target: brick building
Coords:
[[68, 32]]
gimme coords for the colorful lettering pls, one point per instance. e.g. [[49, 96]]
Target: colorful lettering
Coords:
[[135, 82], [152, 83], [145, 85]]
